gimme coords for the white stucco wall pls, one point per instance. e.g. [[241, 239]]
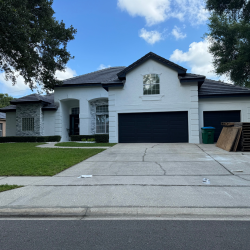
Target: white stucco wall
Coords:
[[11, 124], [173, 97], [224, 104], [49, 123], [82, 94]]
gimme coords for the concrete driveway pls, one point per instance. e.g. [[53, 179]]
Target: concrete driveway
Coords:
[[132, 178]]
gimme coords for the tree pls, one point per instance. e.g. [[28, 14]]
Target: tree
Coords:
[[5, 100], [33, 43], [229, 36]]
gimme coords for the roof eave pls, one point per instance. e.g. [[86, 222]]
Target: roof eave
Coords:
[[224, 95], [106, 86]]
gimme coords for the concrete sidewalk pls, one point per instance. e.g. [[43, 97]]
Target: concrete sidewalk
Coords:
[[139, 179]]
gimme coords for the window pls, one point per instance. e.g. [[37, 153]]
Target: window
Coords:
[[151, 84], [27, 124], [102, 119], [102, 109], [102, 124], [1, 129], [75, 111]]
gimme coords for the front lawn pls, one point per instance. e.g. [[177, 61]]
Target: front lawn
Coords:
[[25, 159], [8, 187], [76, 144]]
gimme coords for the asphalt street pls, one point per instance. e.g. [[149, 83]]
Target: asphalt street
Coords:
[[116, 234]]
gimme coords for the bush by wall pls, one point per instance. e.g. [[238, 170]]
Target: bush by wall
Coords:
[[54, 138], [100, 138]]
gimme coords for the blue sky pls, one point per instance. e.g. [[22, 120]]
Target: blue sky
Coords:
[[119, 32]]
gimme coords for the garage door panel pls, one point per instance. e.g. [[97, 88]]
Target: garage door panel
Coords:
[[165, 127], [215, 118]]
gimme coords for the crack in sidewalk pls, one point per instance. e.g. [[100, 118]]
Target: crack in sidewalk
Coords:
[[144, 155], [221, 164], [164, 171]]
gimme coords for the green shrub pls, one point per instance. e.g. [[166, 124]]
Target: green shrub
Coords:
[[98, 138], [83, 139], [55, 138], [103, 138], [80, 137]]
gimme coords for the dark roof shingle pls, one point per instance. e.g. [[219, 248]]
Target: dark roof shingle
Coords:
[[47, 100], [97, 77], [214, 88]]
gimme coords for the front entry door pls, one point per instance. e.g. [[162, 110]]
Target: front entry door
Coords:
[[74, 124]]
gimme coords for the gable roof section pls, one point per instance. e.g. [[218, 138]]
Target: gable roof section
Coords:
[[46, 100], [2, 116], [32, 98], [211, 88], [97, 77], [122, 75], [191, 78]]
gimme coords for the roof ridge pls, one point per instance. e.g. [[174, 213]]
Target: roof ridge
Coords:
[[93, 72], [151, 55]]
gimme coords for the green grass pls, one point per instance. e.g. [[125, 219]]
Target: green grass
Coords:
[[24, 159], [76, 144], [8, 187]]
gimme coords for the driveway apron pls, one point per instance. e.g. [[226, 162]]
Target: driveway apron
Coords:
[[142, 175]]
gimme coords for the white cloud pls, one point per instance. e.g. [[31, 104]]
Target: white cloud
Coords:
[[68, 73], [102, 66], [154, 11], [151, 36], [176, 32], [21, 89], [157, 11], [198, 59]]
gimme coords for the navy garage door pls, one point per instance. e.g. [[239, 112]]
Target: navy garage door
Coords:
[[215, 118], [163, 127]]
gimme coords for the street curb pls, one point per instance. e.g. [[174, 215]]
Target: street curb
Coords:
[[133, 212]]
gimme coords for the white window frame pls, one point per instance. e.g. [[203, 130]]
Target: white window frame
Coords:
[[102, 114], [151, 83]]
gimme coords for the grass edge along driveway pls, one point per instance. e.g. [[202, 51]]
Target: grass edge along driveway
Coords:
[[25, 159], [7, 187], [76, 144]]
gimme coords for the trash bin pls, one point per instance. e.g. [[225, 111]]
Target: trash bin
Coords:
[[208, 135]]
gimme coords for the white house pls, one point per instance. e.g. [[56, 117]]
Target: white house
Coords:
[[152, 100]]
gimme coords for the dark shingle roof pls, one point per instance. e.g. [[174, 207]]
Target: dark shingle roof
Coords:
[[8, 108], [101, 76], [32, 98], [155, 57], [2, 115], [211, 88], [191, 76], [47, 100]]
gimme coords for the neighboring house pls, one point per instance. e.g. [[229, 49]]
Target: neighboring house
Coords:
[[2, 124], [152, 100]]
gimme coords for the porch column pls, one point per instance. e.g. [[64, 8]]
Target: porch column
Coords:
[[85, 118]]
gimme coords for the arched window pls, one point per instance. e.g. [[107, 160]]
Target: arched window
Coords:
[[102, 119], [151, 84]]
